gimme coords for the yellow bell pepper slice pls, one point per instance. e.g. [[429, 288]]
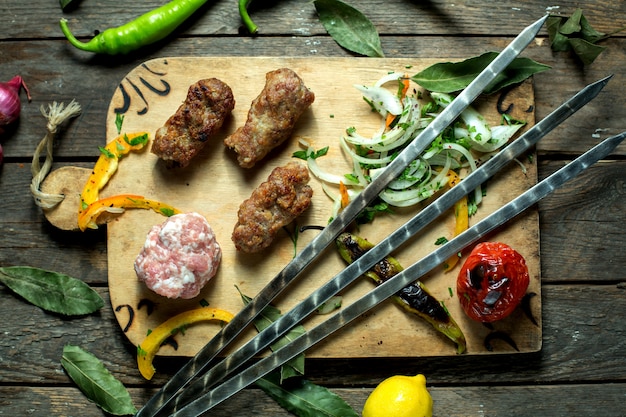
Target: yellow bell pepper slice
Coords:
[[147, 349], [88, 219], [107, 163], [461, 216]]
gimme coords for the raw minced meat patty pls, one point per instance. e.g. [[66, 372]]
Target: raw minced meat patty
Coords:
[[179, 257]]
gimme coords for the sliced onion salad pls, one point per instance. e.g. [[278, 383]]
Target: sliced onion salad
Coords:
[[460, 147]]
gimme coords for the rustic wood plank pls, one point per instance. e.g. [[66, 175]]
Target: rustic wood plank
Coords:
[[79, 138], [455, 401], [26, 240], [289, 18], [582, 223], [583, 341]]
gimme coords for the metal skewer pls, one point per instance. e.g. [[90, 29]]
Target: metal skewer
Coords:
[[235, 384], [202, 360], [389, 244]]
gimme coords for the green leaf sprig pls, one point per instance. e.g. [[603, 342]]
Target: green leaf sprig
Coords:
[[51, 291], [294, 367], [297, 395], [96, 382], [349, 27], [305, 399], [449, 77], [576, 34]]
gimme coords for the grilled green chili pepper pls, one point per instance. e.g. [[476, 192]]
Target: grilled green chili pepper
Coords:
[[413, 298], [146, 29]]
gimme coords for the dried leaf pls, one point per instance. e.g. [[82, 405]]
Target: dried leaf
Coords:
[[304, 398], [586, 51], [448, 77], [558, 41], [572, 24], [95, 381], [576, 34], [349, 27], [51, 291]]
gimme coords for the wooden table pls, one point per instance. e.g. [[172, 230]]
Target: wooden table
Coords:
[[580, 369]]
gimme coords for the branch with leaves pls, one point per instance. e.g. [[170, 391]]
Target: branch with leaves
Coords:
[[576, 34]]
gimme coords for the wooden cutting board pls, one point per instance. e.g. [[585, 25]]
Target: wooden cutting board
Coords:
[[214, 185]]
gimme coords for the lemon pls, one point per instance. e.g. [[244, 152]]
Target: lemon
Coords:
[[400, 396]]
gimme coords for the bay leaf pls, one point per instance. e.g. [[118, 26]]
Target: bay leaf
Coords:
[[572, 24], [586, 51], [350, 28], [293, 367], [588, 32], [449, 77], [51, 291], [305, 399], [558, 41], [96, 382], [576, 34]]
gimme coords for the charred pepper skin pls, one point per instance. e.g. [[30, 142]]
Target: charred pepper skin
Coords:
[[413, 298], [146, 29]]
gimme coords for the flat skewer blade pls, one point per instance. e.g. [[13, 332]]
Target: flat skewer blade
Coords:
[[242, 320], [356, 269], [224, 391]]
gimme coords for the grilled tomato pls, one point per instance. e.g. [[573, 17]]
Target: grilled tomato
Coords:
[[492, 281]]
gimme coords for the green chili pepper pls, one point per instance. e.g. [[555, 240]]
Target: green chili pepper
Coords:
[[146, 29], [414, 298], [245, 17]]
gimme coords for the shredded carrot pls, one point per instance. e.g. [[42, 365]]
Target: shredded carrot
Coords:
[[106, 165], [405, 87], [88, 218], [345, 197], [146, 350], [461, 216]]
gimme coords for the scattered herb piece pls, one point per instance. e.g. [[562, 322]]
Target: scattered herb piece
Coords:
[[51, 291], [304, 398], [576, 34], [95, 381], [331, 305], [293, 236], [305, 154], [349, 27], [119, 120], [448, 77], [441, 240], [370, 212]]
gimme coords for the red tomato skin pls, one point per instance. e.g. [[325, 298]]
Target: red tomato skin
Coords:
[[492, 282]]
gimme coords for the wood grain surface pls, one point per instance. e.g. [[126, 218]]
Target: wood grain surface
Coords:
[[214, 185], [580, 368]]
